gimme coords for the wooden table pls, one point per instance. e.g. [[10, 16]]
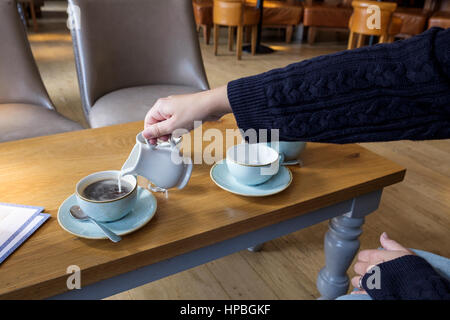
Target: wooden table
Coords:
[[195, 225]]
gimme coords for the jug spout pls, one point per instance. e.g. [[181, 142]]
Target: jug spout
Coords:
[[130, 165]]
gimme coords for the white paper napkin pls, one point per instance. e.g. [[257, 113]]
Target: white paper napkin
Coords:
[[17, 223]]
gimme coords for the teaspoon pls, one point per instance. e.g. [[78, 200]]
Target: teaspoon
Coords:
[[79, 214]]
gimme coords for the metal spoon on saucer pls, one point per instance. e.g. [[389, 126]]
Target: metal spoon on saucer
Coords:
[[79, 214], [293, 163]]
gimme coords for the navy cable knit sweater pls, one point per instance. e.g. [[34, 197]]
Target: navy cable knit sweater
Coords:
[[408, 278], [380, 93]]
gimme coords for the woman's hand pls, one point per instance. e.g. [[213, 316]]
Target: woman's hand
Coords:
[[180, 112], [369, 258]]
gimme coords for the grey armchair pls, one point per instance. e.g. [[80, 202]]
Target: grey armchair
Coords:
[[129, 53], [25, 107]]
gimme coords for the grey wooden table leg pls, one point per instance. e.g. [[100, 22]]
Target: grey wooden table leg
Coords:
[[256, 248], [342, 244]]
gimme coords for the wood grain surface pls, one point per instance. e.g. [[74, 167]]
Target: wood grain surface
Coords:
[[43, 171]]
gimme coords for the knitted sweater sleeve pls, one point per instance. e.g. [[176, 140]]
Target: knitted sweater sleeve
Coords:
[[407, 278], [379, 93]]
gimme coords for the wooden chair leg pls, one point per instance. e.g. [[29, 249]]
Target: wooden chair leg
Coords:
[[216, 38], [382, 39], [230, 38], [360, 42], [206, 33], [312, 31], [289, 32], [33, 16], [351, 41], [240, 32], [254, 36]]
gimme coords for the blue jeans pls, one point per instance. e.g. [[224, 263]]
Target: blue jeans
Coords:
[[440, 264]]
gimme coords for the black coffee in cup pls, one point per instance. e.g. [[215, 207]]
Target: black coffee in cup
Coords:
[[107, 189]]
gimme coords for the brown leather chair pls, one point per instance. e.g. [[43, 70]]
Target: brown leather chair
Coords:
[[129, 53], [281, 14], [414, 19], [332, 15], [441, 18], [203, 17], [389, 26], [235, 13], [25, 107]]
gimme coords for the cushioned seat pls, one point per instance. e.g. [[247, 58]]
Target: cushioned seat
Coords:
[[414, 20], [129, 53], [395, 26], [328, 15], [251, 16], [359, 29], [25, 107], [280, 12], [27, 120], [440, 19], [323, 15], [229, 13], [203, 11], [203, 16], [131, 104], [235, 14]]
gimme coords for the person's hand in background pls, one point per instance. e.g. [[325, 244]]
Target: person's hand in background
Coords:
[[370, 258], [180, 112]]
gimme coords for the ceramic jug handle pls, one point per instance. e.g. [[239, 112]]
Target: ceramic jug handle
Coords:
[[175, 141], [149, 145]]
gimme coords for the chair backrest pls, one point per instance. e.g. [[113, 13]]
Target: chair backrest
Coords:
[[358, 22], [444, 5], [228, 12], [437, 5], [20, 81], [343, 3], [338, 2], [346, 3], [126, 43]]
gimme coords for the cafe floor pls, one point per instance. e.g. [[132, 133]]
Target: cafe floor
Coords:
[[414, 212]]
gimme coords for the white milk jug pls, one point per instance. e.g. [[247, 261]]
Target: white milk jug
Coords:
[[161, 164]]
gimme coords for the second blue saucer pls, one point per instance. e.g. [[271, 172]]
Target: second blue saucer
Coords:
[[222, 178]]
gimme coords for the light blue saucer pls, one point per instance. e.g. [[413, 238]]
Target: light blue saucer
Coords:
[[143, 212], [220, 175]]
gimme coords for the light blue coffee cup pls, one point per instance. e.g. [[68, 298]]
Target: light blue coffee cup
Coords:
[[290, 149], [109, 210], [252, 164]]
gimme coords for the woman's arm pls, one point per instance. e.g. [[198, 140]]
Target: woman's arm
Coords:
[[407, 278], [379, 93], [397, 273]]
